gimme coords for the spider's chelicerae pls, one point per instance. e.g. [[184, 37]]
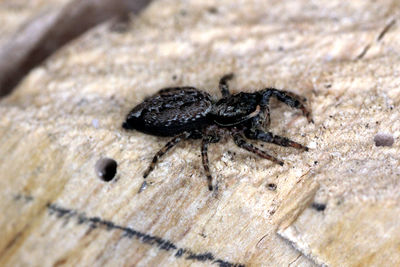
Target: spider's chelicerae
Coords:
[[188, 113]]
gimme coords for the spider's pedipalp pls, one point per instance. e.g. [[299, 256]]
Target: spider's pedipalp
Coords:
[[223, 84]]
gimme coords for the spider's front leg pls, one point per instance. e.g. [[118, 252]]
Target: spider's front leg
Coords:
[[290, 99]]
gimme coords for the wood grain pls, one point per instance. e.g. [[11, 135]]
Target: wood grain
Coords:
[[68, 112]]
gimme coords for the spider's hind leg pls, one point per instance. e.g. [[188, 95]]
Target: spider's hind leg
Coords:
[[223, 84], [164, 150]]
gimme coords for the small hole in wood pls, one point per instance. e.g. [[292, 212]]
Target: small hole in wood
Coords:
[[318, 206], [271, 186], [106, 168], [383, 139]]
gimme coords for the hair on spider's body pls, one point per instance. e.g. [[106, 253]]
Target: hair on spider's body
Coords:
[[188, 113]]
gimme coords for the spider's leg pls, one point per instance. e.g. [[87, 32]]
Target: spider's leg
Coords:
[[274, 139], [211, 134], [241, 142], [164, 150], [223, 84], [288, 98], [204, 157]]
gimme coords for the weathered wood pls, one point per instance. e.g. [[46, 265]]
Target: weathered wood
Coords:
[[343, 56], [49, 29]]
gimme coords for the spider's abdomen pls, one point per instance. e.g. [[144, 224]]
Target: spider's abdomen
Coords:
[[170, 111]]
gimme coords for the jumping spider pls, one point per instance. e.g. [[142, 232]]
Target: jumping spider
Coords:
[[188, 113]]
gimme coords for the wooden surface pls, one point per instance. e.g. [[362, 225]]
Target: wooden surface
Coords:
[[15, 13], [335, 205]]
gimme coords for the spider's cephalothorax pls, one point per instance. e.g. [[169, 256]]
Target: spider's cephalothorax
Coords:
[[188, 113]]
